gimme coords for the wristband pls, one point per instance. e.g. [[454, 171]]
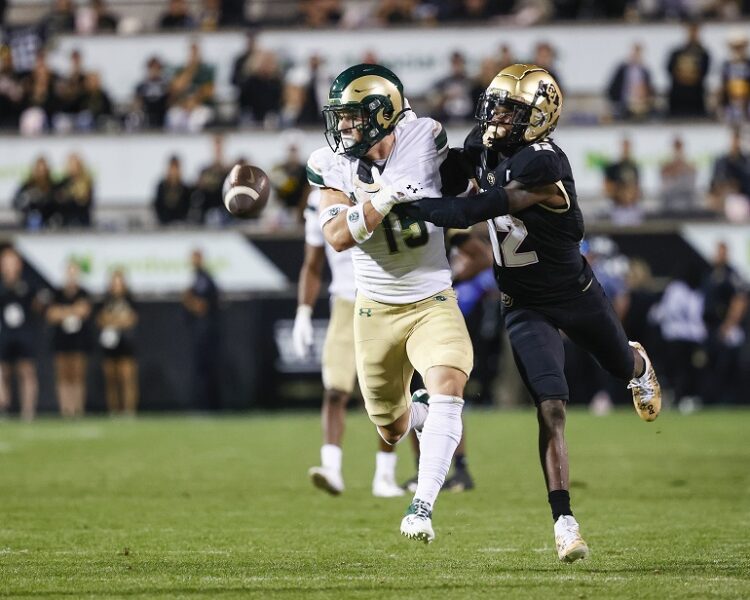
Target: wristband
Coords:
[[330, 213], [355, 219]]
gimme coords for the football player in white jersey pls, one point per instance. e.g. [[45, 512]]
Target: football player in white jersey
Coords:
[[338, 366], [406, 316]]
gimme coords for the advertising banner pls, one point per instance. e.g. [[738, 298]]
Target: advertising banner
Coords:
[[155, 264]]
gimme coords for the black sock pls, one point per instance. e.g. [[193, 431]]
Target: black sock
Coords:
[[559, 500], [459, 462]]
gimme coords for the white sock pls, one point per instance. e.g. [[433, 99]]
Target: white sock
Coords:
[[417, 416], [440, 437], [330, 457], [385, 465]]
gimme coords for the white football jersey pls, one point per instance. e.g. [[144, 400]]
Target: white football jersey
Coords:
[[404, 261], [340, 263]]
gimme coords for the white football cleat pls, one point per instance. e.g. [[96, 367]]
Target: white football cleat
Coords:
[[385, 486], [646, 389], [327, 480], [417, 524], [570, 544]]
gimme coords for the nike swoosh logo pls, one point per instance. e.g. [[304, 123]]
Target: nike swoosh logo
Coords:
[[356, 91]]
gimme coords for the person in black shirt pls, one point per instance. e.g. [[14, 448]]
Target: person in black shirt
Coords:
[[172, 201], [201, 303], [152, 94], [74, 195], [35, 199], [18, 301], [546, 285], [69, 315], [177, 16], [726, 302], [688, 67], [116, 320]]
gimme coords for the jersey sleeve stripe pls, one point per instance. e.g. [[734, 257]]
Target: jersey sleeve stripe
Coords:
[[313, 177], [441, 140]]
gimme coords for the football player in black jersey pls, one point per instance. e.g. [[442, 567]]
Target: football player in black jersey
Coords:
[[529, 200]]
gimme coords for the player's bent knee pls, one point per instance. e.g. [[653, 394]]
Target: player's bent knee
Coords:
[[445, 380], [552, 412], [336, 398]]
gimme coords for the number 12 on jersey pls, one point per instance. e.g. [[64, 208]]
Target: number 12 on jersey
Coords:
[[505, 247]]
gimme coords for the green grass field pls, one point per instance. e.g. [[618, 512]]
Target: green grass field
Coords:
[[221, 508]]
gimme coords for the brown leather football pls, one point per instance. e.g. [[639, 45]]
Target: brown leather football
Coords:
[[246, 191]]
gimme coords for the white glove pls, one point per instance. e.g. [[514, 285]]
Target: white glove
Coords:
[[302, 332], [384, 196]]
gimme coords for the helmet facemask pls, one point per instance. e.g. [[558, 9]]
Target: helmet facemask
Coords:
[[371, 120], [497, 107]]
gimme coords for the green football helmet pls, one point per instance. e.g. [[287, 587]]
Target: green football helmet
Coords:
[[371, 99]]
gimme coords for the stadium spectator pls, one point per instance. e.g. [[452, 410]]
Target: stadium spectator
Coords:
[[725, 309], [630, 90], [622, 186], [201, 303], [489, 67], [678, 193], [320, 13], [569, 10], [734, 95], [176, 17], [35, 199], [545, 56], [474, 10], [69, 92], [688, 67], [730, 181], [679, 315], [74, 195], [152, 95], [96, 18], [206, 202], [452, 95], [396, 12], [39, 101], [671, 9], [69, 315], [209, 16], [305, 93], [18, 301], [506, 57], [232, 13], [289, 181], [116, 320], [172, 201], [260, 85], [11, 91], [192, 94], [61, 19], [97, 111]]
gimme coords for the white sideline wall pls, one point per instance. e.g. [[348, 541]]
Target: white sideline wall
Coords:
[[127, 168]]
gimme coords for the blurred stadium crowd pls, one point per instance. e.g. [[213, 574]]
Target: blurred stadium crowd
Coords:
[[695, 319]]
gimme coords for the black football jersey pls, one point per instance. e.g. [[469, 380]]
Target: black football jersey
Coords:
[[537, 251]]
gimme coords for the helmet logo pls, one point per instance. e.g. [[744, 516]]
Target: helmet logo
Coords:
[[491, 178]]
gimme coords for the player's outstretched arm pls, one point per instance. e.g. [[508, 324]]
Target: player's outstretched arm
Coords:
[[345, 224], [452, 211]]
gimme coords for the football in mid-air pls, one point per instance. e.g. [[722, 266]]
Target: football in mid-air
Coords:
[[246, 191]]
